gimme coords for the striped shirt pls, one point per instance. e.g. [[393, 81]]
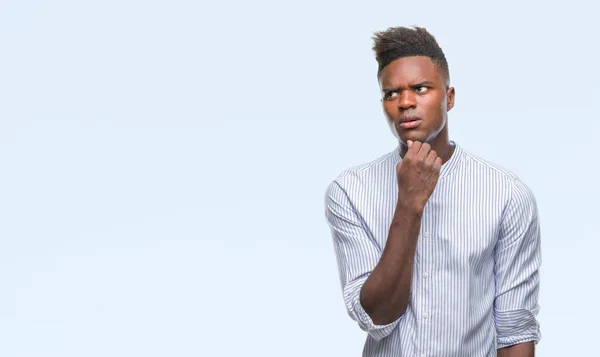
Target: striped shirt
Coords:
[[476, 269]]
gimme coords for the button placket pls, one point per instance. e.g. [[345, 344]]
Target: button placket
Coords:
[[424, 283]]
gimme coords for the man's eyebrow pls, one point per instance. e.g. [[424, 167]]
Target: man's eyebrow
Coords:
[[420, 84], [425, 83]]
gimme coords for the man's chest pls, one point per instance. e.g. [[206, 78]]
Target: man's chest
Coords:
[[460, 224]]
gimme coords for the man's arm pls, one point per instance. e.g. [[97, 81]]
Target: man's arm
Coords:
[[518, 260], [358, 257], [386, 291], [525, 349], [376, 284]]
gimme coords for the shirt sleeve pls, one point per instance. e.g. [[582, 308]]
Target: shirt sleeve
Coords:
[[357, 255], [517, 262]]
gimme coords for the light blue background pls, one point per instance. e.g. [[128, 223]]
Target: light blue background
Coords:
[[163, 165]]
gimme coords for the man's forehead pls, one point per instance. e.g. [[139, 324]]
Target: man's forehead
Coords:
[[410, 69]]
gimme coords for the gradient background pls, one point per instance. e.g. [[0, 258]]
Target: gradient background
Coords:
[[163, 164]]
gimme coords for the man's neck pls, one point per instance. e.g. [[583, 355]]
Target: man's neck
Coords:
[[444, 151]]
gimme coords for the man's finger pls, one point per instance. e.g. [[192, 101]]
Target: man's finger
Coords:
[[424, 150], [437, 163], [431, 157], [414, 147]]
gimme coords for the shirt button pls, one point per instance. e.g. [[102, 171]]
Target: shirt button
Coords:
[[422, 354], [425, 275], [425, 234], [425, 315]]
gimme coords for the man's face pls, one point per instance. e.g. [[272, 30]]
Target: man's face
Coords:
[[415, 98]]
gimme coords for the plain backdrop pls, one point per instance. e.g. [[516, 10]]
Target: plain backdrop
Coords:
[[163, 164]]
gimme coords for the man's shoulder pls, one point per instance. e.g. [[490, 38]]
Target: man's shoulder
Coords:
[[381, 166], [490, 167], [496, 173]]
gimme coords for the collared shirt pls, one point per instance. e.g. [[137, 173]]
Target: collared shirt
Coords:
[[476, 269]]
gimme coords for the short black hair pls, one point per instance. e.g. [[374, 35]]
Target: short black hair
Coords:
[[398, 42]]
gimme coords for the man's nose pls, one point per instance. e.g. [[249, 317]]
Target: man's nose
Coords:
[[407, 100]]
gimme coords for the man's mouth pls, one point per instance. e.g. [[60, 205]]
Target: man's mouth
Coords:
[[410, 121]]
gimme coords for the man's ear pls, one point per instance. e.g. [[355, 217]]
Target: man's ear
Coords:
[[450, 93]]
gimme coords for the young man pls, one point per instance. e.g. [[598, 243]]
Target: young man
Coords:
[[438, 250]]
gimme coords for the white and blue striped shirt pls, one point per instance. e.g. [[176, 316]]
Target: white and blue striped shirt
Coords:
[[476, 269]]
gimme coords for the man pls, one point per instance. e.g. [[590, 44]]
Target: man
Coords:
[[438, 250]]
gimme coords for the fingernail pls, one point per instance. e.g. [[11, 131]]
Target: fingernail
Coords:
[[409, 142]]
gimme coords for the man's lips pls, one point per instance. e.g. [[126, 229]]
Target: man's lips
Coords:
[[410, 121]]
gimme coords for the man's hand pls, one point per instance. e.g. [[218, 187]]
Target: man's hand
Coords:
[[418, 173]]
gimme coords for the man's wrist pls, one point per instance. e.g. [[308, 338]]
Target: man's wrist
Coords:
[[414, 210]]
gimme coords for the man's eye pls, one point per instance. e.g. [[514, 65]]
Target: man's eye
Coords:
[[422, 89], [391, 95]]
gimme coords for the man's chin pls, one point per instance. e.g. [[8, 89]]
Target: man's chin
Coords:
[[407, 135], [403, 135]]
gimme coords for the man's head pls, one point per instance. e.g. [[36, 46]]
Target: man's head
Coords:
[[415, 83]]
